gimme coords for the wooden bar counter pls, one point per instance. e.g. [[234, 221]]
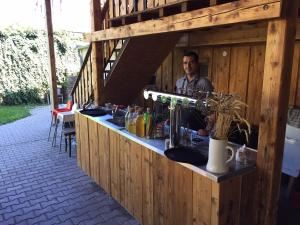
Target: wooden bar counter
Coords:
[[154, 189]]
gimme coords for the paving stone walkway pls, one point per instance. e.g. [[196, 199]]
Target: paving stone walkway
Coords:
[[39, 185]]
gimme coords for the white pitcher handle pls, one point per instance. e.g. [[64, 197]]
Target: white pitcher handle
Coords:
[[232, 154]]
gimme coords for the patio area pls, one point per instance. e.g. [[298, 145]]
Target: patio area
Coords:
[[39, 185]]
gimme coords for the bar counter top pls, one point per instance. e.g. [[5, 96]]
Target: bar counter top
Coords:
[[158, 146]]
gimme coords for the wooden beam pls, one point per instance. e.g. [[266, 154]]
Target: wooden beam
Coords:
[[51, 55], [97, 53], [274, 104], [230, 13]]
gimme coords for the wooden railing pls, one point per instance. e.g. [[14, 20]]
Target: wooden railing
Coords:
[[83, 87]]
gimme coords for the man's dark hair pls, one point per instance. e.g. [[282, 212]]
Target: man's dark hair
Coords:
[[191, 54]]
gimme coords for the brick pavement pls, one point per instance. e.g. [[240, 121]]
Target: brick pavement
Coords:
[[40, 186]]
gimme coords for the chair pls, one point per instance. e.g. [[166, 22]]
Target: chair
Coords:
[[55, 112], [68, 133]]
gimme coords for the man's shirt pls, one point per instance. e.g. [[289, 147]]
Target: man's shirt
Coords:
[[186, 87]]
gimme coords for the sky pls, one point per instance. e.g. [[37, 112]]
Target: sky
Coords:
[[70, 15]]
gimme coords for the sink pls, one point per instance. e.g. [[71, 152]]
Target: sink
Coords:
[[187, 154], [93, 112], [118, 121]]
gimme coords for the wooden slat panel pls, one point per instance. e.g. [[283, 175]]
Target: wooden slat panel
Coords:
[[128, 191], [123, 7], [124, 148], [247, 207], [297, 98], [77, 127], [239, 69], [94, 151], [150, 4], [206, 58], [220, 75], [158, 80], [230, 196], [224, 14], [215, 203], [117, 8], [161, 2], [182, 205], [161, 190], [140, 5], [103, 133], [256, 70], [167, 84], [178, 71], [136, 180], [295, 74], [84, 144], [111, 9], [130, 6], [114, 156], [201, 199], [147, 181]]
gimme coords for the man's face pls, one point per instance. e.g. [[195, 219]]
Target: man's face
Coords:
[[190, 66]]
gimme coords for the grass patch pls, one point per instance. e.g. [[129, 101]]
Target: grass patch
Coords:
[[12, 113]]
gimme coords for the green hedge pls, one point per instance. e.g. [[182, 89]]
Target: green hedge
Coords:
[[24, 63]]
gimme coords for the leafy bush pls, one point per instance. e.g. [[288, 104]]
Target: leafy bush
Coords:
[[26, 96], [24, 63]]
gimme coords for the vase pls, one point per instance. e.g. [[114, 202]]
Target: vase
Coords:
[[218, 161]]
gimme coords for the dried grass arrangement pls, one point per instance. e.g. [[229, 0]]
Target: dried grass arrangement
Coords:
[[224, 110]]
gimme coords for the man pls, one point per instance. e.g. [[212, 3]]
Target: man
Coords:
[[189, 85], [191, 82]]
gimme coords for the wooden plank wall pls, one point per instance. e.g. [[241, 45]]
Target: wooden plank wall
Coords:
[[231, 68], [155, 190]]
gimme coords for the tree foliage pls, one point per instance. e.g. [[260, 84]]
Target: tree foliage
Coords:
[[24, 62]]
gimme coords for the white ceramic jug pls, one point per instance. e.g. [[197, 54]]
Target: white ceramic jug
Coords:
[[218, 161]]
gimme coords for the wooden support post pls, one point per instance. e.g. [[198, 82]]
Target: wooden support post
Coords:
[[97, 54], [274, 104], [51, 55]]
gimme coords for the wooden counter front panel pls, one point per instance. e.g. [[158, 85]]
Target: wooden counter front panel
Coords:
[[104, 157], [84, 145], [78, 130], [94, 152], [156, 190]]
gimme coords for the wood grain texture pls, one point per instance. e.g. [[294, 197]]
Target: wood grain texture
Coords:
[[136, 180], [231, 13], [103, 141], [229, 205], [51, 56], [84, 145], [276, 85], [114, 156], [221, 67], [94, 151], [247, 207], [158, 80], [295, 75], [123, 7], [239, 68], [202, 197], [256, 71], [147, 189], [167, 82], [78, 140], [178, 71], [206, 58]]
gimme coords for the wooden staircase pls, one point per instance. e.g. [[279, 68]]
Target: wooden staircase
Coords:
[[135, 65]]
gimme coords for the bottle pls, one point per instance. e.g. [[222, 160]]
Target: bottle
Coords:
[[131, 122], [127, 117], [140, 124], [148, 123]]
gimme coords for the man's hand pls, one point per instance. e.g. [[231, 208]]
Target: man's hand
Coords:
[[203, 132]]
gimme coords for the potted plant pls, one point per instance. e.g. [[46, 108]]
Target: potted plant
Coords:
[[225, 117]]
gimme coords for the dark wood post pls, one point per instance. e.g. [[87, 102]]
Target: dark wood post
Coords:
[[97, 54], [274, 104], [51, 55]]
